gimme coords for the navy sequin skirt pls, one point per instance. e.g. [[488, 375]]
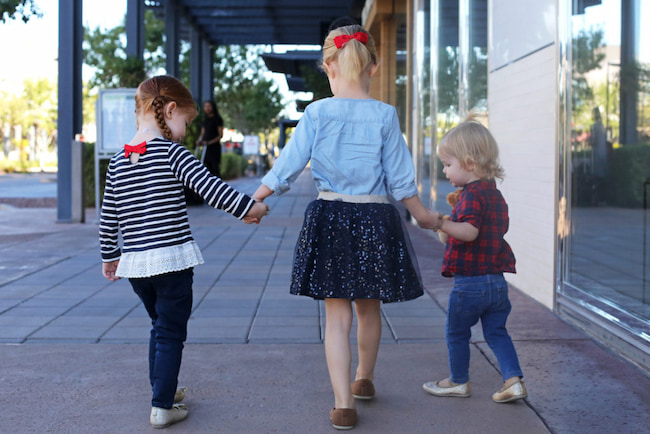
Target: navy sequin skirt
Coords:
[[355, 251]]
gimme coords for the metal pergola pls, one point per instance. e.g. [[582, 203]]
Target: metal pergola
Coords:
[[210, 23]]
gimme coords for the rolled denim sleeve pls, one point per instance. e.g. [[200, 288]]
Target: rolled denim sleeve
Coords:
[[293, 158], [397, 163]]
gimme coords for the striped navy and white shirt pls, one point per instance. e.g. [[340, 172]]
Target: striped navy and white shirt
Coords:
[[145, 202]]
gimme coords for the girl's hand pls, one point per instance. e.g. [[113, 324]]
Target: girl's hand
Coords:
[[108, 270], [255, 214], [430, 220]]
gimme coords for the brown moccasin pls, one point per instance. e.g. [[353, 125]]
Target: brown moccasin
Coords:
[[363, 389], [343, 418]]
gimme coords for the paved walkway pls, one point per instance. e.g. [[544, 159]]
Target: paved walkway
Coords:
[[74, 345]]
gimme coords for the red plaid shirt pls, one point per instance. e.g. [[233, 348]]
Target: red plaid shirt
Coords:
[[481, 205]]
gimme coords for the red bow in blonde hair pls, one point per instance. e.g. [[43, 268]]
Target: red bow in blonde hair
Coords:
[[341, 40]]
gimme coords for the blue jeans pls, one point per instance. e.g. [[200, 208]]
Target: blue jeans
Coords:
[[168, 300], [486, 298]]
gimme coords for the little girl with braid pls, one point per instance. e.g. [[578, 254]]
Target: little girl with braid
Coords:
[[144, 201]]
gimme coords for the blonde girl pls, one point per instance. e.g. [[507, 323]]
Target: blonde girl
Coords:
[[476, 256], [352, 246]]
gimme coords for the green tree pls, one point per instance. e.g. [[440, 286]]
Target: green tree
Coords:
[[105, 51], [478, 81], [587, 55], [41, 104], [33, 111], [247, 100], [12, 109], [316, 81], [25, 9], [447, 83]]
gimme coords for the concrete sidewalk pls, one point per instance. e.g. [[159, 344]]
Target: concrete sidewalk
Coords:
[[75, 345]]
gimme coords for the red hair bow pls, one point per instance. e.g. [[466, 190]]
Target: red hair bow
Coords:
[[140, 149], [341, 40]]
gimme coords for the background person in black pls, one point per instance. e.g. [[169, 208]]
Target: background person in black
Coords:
[[211, 133]]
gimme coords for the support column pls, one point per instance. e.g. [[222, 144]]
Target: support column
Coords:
[[207, 71], [135, 28], [387, 55], [172, 45], [70, 115], [629, 72], [195, 65]]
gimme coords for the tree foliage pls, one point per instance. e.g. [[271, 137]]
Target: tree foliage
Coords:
[[41, 103], [31, 114], [587, 55], [23, 9], [105, 51], [35, 106], [247, 100], [316, 81]]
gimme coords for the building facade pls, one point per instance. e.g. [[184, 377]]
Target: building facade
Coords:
[[564, 85]]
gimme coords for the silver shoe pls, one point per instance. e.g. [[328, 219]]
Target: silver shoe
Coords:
[[180, 394], [457, 391], [162, 417], [514, 392]]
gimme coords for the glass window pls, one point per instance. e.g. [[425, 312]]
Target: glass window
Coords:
[[421, 97], [400, 71], [607, 257], [461, 66], [477, 61], [445, 64]]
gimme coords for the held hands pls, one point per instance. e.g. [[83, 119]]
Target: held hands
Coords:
[[260, 194], [434, 221], [430, 220], [108, 270], [255, 214]]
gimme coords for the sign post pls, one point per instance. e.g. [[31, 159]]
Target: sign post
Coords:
[[251, 146]]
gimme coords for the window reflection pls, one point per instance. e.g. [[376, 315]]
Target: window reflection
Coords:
[[449, 79], [421, 97], [610, 154]]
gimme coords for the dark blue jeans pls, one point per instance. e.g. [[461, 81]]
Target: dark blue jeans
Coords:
[[168, 300], [486, 298]]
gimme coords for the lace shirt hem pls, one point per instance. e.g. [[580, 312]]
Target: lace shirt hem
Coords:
[[159, 261]]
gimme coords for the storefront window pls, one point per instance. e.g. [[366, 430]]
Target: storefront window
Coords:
[[421, 97], [449, 80], [606, 267], [400, 71], [475, 56]]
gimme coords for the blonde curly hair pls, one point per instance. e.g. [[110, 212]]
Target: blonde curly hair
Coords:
[[471, 143]]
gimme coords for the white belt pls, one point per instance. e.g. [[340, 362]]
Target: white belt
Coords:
[[353, 198]]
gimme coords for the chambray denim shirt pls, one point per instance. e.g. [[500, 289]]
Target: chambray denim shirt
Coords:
[[355, 147]]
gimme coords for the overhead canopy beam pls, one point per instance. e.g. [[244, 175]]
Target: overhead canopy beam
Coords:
[[195, 65], [207, 71]]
